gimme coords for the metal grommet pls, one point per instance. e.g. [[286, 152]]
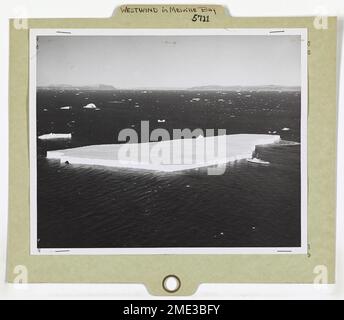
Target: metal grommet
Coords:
[[171, 283]]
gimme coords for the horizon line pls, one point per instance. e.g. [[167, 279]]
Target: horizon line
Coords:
[[167, 88]]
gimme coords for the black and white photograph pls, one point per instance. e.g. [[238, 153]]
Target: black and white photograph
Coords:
[[168, 141]]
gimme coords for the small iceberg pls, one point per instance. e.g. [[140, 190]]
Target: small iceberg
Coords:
[[195, 99], [258, 161], [115, 101], [66, 108], [50, 136], [285, 129], [90, 106], [163, 120]]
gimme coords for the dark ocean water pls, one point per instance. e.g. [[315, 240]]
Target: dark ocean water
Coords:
[[249, 205]]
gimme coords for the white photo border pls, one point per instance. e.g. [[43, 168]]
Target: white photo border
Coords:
[[34, 33]]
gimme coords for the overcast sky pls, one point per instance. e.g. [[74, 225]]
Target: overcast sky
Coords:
[[169, 61]]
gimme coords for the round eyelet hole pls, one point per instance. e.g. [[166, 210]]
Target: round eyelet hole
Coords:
[[171, 283]]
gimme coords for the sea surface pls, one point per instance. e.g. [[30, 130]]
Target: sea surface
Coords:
[[250, 205]]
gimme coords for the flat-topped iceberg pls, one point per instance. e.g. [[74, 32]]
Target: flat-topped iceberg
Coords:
[[49, 136], [168, 156]]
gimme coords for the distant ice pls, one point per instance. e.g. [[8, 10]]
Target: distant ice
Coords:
[[90, 106], [285, 129], [55, 136], [258, 161]]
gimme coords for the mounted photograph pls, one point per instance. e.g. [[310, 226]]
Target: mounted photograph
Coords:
[[161, 141]]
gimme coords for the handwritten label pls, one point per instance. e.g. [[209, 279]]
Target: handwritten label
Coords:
[[166, 9], [199, 17]]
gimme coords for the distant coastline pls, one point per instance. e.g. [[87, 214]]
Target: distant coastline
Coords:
[[103, 87]]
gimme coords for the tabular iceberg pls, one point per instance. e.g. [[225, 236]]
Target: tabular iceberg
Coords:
[[167, 156], [49, 136]]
